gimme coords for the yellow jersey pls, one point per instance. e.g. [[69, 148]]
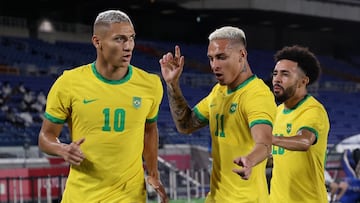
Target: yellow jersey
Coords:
[[231, 114], [298, 176], [111, 116]]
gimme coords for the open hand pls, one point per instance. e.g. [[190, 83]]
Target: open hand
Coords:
[[158, 187]]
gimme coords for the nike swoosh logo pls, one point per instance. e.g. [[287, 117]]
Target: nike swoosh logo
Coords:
[[212, 105], [86, 101]]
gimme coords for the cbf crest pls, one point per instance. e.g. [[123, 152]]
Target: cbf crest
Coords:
[[136, 102], [288, 128], [233, 108]]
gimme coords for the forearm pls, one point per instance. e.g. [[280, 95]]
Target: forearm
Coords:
[[262, 137], [294, 143], [150, 154], [180, 110], [50, 145], [260, 152], [48, 138]]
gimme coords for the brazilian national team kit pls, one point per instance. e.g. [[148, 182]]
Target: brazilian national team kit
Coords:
[[298, 176], [233, 113], [111, 116]]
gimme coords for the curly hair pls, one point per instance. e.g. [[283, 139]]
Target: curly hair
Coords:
[[305, 59]]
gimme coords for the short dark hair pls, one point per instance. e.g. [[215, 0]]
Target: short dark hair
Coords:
[[306, 60]]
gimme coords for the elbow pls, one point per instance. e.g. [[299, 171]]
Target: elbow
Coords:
[[41, 143], [305, 146]]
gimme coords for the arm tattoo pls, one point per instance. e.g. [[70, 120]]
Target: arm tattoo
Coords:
[[182, 114]]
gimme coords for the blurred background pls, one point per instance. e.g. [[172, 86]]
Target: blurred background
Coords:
[[41, 39]]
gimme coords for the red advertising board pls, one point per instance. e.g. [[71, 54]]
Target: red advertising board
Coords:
[[32, 183]]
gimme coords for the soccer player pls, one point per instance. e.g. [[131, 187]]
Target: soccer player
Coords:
[[239, 110], [300, 130], [111, 108]]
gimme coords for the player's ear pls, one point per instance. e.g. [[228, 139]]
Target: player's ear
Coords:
[[96, 41], [306, 80], [243, 53]]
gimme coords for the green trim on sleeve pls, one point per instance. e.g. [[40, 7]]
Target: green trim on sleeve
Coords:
[[152, 119], [200, 116], [260, 122], [311, 130], [53, 119]]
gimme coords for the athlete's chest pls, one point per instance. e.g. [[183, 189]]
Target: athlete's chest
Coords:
[[221, 103], [286, 124], [110, 103]]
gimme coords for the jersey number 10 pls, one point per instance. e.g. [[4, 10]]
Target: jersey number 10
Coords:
[[118, 119]]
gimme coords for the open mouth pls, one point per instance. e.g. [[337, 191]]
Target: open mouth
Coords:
[[218, 75], [127, 57]]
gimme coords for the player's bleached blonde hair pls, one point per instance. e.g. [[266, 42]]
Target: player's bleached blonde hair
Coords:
[[229, 32], [111, 16]]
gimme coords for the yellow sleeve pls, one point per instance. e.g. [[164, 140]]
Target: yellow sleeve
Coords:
[[261, 109], [58, 103], [158, 95]]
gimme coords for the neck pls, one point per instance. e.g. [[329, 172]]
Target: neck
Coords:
[[110, 72], [294, 100], [245, 74]]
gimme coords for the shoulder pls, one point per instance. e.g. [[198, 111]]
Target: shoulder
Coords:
[[138, 72], [68, 76], [259, 83], [313, 103], [258, 90], [218, 90], [76, 71]]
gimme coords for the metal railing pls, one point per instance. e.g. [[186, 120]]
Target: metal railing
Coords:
[[43, 189], [185, 185]]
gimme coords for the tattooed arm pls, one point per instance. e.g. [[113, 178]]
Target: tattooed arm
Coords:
[[171, 69], [185, 119]]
